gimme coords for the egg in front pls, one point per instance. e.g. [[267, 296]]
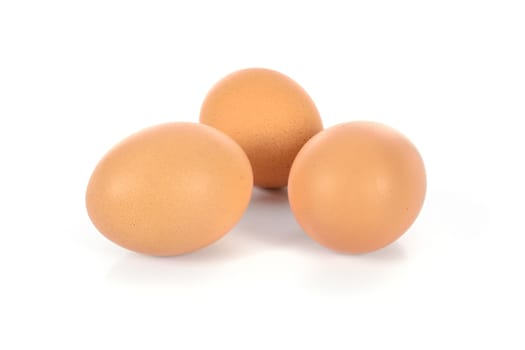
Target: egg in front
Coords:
[[170, 189]]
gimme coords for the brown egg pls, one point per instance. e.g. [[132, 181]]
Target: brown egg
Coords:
[[170, 189], [268, 114], [356, 187]]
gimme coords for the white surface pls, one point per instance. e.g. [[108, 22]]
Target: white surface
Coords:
[[76, 77]]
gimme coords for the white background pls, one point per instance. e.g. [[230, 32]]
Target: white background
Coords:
[[78, 76]]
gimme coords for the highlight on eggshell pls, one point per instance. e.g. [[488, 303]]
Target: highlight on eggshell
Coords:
[[357, 187], [170, 189], [269, 115]]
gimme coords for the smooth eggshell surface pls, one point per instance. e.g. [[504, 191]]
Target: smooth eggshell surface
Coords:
[[170, 189], [356, 187], [268, 114]]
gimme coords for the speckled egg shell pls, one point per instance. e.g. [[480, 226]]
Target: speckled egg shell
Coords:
[[268, 114], [170, 189]]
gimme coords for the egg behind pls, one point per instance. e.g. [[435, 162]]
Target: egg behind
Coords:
[[170, 189], [268, 114]]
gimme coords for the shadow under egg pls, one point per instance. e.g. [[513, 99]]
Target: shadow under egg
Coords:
[[270, 221], [186, 270]]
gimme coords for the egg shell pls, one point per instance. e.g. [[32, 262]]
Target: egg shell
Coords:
[[357, 187], [170, 189], [268, 114]]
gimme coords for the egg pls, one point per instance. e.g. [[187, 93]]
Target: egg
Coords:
[[268, 114], [170, 189], [357, 187]]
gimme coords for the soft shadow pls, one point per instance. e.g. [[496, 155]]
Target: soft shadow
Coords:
[[184, 270], [392, 253], [270, 221], [339, 273]]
